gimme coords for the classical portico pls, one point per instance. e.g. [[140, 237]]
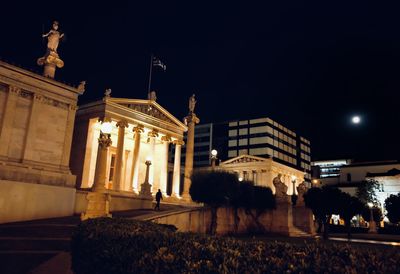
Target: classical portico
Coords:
[[141, 131], [262, 171]]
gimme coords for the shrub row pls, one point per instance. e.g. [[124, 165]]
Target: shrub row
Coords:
[[126, 246]]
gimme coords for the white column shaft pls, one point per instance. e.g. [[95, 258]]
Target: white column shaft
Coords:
[[177, 171]]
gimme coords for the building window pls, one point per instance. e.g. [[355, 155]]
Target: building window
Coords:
[[112, 167], [232, 153], [348, 177]]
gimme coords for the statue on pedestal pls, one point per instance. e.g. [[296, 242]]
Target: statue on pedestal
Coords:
[[280, 189], [53, 38], [192, 103], [51, 60], [301, 189]]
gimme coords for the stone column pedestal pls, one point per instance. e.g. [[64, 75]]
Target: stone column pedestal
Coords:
[[98, 206], [145, 188]]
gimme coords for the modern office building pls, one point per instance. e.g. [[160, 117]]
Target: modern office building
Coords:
[[261, 137]]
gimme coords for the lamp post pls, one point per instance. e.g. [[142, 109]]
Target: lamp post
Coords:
[[294, 196], [214, 154], [372, 225]]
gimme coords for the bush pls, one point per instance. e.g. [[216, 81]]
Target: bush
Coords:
[[126, 246]]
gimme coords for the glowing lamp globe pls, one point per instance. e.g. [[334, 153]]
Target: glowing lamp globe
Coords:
[[356, 119], [106, 127], [214, 153], [370, 205]]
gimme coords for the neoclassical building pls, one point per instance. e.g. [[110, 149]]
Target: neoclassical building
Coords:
[[141, 131], [262, 171]]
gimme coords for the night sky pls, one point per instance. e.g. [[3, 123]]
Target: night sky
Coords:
[[309, 66]]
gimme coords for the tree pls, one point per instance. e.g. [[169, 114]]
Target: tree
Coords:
[[349, 206], [323, 202], [263, 200], [215, 189], [366, 191], [243, 199], [392, 205]]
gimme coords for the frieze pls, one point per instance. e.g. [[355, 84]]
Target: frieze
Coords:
[[25, 94], [54, 103]]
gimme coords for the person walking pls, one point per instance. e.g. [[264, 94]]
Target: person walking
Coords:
[[158, 199]]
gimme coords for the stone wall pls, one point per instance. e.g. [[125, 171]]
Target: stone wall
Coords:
[[20, 201]]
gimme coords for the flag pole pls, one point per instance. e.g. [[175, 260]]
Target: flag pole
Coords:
[[151, 69]]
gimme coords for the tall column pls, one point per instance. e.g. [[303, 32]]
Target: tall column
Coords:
[[191, 120], [152, 135], [176, 178], [164, 164], [135, 160], [120, 155], [8, 119], [98, 200]]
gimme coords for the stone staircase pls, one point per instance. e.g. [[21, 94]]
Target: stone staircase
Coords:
[[25, 245]]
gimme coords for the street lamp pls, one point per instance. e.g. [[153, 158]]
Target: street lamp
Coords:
[[214, 154], [294, 196], [372, 225]]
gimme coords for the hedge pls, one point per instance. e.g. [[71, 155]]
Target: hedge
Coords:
[[127, 246]]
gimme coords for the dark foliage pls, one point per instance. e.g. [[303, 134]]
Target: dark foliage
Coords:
[[104, 246], [392, 205]]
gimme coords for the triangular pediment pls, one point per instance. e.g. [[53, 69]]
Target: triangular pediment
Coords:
[[243, 159], [148, 108]]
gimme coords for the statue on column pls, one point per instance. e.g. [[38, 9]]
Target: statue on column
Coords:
[[192, 103], [53, 38], [51, 60]]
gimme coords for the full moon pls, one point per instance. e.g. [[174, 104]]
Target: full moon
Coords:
[[356, 119]]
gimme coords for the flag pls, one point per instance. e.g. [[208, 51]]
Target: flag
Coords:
[[157, 63]]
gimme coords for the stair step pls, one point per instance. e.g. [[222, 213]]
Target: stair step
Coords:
[[38, 244], [37, 230]]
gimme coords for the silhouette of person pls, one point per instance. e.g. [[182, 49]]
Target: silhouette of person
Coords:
[[158, 199]]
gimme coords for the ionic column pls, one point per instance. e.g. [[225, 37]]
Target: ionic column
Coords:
[[100, 174], [176, 178], [8, 119], [120, 155], [152, 135], [135, 160], [191, 121], [164, 164]]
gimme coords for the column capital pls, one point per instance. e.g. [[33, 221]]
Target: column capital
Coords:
[[178, 142], [122, 123], [166, 138], [14, 89], [73, 107], [192, 118], [153, 133], [104, 141], [138, 129]]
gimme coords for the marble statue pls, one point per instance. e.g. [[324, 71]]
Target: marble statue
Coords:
[[301, 190], [280, 188], [152, 96], [192, 103], [81, 86], [53, 38], [107, 93]]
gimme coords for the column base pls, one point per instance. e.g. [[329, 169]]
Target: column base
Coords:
[[145, 190], [98, 206], [186, 197]]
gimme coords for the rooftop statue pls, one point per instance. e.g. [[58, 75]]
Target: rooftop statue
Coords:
[[53, 38], [192, 103]]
